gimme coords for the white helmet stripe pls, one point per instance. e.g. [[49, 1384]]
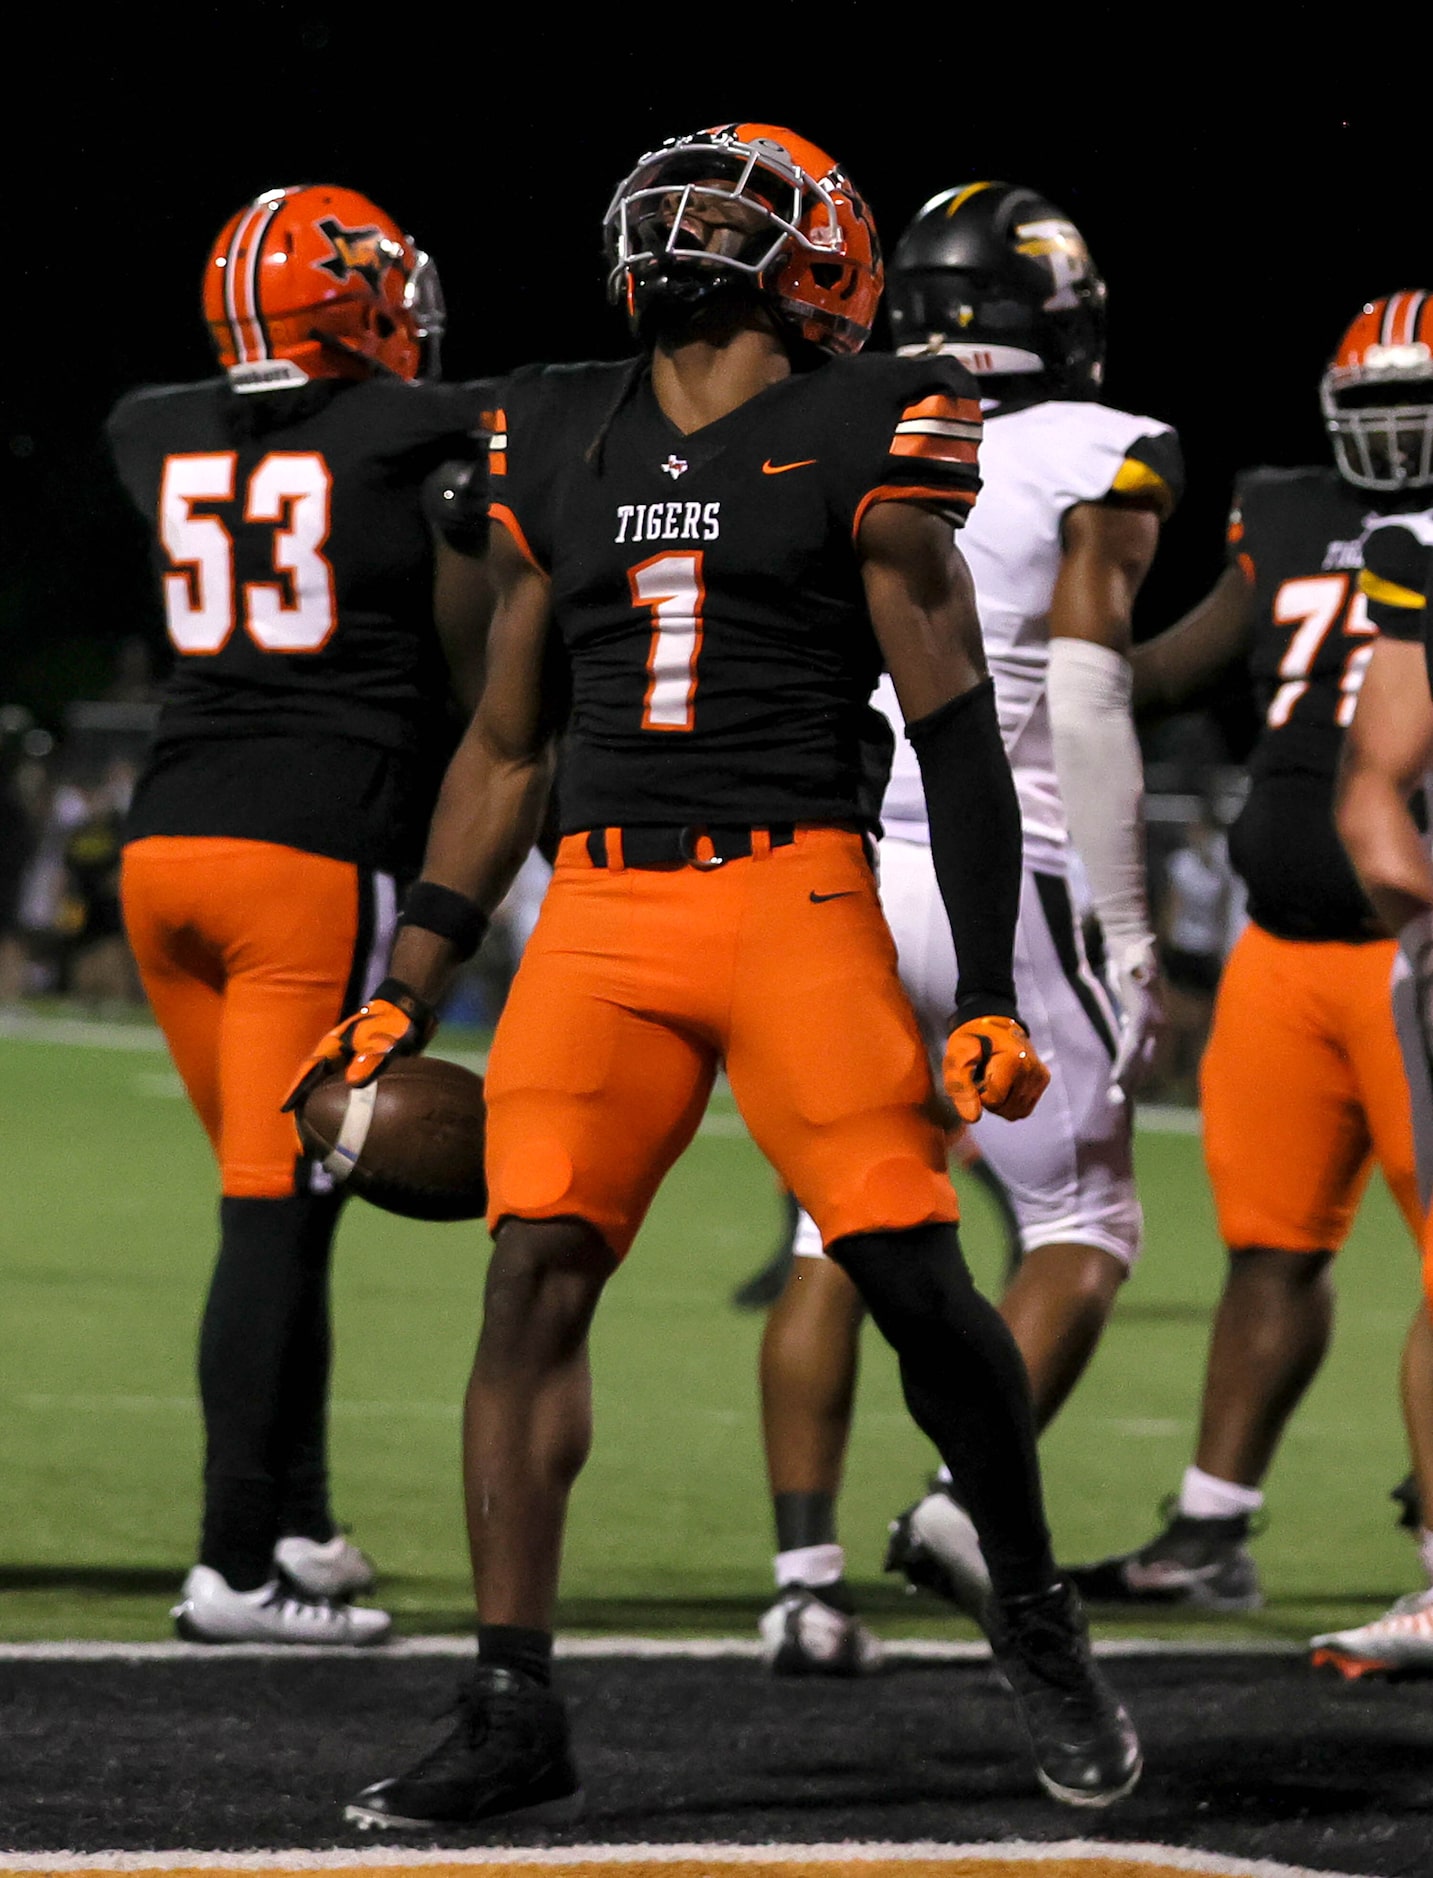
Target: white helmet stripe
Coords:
[[1416, 302], [241, 282]]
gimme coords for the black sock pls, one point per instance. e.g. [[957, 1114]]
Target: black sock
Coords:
[[511, 1646], [804, 1519], [263, 1379], [302, 1457], [966, 1388]]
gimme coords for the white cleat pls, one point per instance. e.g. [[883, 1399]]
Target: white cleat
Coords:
[[803, 1635], [211, 1611], [336, 1569], [936, 1545], [1400, 1640]]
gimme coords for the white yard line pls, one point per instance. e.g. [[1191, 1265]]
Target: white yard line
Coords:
[[1028, 1852], [688, 1649]]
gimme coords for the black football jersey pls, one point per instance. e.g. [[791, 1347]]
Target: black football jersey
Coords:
[[706, 588], [295, 563], [1298, 535], [1397, 579]]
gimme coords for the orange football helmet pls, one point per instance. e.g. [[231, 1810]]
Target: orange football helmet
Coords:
[[317, 282], [1377, 395], [799, 235]]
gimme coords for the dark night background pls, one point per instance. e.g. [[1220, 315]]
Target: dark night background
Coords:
[[1242, 193]]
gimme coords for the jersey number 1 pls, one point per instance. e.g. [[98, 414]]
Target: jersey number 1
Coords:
[[670, 587], [294, 612]]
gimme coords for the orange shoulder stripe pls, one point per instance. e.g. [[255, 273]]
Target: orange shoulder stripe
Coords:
[[500, 512], [909, 492], [942, 449], [960, 410]]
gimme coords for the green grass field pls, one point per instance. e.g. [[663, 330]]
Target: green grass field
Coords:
[[105, 1243]]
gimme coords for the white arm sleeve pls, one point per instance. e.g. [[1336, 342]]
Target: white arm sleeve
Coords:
[[1101, 777]]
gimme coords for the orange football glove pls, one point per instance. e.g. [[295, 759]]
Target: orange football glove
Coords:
[[394, 1022], [991, 1064]]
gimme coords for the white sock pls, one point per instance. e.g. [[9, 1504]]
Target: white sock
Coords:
[[813, 1565], [1425, 1552], [1205, 1496], [942, 1476]]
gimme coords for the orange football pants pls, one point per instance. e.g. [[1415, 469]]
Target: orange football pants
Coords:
[[1302, 1088], [637, 982], [247, 952]]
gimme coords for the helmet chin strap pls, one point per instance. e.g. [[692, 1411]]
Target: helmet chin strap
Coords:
[[710, 308], [376, 367]]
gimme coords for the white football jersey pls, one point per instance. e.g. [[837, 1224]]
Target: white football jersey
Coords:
[[1036, 464]]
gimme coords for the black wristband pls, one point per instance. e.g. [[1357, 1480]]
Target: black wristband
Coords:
[[980, 1004], [442, 910], [418, 1011]]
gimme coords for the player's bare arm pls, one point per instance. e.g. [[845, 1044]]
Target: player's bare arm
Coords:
[[493, 795], [1107, 551], [1386, 752], [922, 606], [486, 820], [464, 596], [1184, 660]]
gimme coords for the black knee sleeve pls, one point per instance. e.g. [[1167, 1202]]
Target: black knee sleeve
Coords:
[[966, 1388]]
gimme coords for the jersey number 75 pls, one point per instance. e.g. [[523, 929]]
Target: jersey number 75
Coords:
[[1314, 605]]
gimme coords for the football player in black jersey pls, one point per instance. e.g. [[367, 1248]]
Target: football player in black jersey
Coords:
[[289, 786], [727, 538], [1387, 755], [1293, 1127]]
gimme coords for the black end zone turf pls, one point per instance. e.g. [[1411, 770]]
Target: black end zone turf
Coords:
[[1248, 1755]]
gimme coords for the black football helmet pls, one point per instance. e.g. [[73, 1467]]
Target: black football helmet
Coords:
[[996, 275]]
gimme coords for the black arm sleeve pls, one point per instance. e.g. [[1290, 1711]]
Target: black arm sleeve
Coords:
[[974, 844]]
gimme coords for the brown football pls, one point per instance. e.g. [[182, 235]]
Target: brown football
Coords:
[[412, 1140]]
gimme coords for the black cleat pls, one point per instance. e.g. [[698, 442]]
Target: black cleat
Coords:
[[1086, 1750], [1410, 1507], [1200, 1563], [506, 1758]]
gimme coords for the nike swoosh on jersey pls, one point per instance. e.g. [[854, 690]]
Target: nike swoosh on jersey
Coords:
[[769, 468], [844, 894]]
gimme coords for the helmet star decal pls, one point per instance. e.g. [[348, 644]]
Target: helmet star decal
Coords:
[[364, 251]]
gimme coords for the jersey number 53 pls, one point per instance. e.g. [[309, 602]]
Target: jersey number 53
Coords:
[[294, 610]]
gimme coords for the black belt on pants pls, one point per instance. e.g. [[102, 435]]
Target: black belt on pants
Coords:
[[677, 847]]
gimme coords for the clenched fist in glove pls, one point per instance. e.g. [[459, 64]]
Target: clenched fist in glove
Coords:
[[991, 1064], [394, 1022]]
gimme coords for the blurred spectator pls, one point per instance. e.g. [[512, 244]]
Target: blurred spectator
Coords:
[[1199, 917], [68, 915], [23, 793]]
